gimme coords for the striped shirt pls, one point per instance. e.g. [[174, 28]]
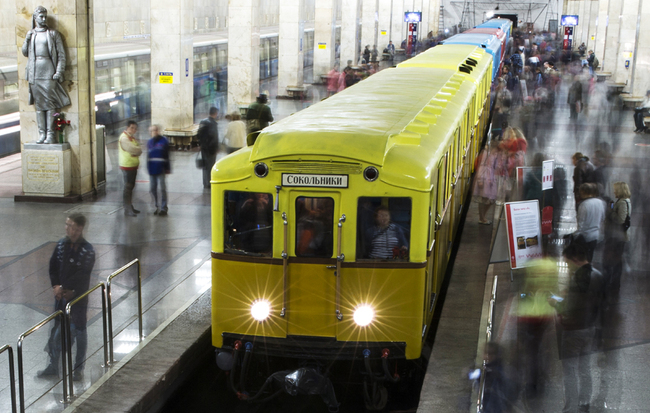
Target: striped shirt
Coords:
[[383, 241]]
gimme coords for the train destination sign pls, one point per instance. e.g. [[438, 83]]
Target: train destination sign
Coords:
[[321, 181]]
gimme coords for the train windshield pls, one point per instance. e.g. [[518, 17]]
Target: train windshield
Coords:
[[314, 227], [383, 228], [248, 223]]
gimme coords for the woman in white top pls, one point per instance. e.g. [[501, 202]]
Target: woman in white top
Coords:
[[591, 214], [235, 138]]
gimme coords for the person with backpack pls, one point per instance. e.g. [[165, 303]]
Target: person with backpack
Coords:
[[208, 136], [617, 223], [593, 62]]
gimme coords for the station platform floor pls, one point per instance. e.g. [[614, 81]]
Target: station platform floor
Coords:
[[620, 369], [175, 250]]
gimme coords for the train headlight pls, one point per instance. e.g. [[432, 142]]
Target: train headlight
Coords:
[[363, 315], [260, 310]]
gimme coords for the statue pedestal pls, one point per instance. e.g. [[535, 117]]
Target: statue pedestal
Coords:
[[46, 169]]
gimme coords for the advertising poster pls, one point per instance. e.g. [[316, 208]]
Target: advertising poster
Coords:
[[524, 232], [547, 175]]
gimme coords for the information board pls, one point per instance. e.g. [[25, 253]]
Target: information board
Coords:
[[547, 174], [524, 232], [165, 77]]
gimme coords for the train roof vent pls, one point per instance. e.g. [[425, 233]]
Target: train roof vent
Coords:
[[450, 90], [429, 115], [454, 82], [417, 126], [441, 99], [465, 69], [471, 61], [435, 107], [405, 137]]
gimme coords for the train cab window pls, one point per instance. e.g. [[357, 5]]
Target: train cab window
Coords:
[[383, 228], [248, 223], [314, 227]]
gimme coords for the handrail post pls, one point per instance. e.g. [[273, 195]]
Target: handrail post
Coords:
[[21, 338], [109, 281], [339, 259], [488, 338], [12, 378], [68, 309], [285, 257]]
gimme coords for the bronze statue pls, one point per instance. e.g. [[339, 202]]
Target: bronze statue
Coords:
[[44, 50]]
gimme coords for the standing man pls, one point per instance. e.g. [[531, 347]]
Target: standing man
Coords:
[[129, 159], [45, 54], [579, 313], [259, 115], [158, 166], [70, 266], [209, 142]]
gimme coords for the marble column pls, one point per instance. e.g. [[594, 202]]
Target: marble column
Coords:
[[641, 61], [424, 24], [349, 32], [74, 20], [601, 31], [593, 21], [172, 64], [368, 24], [626, 41], [398, 31], [610, 53], [434, 17], [324, 36], [383, 24], [290, 51], [243, 52]]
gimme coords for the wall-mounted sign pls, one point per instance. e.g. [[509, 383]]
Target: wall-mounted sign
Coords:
[[547, 174], [322, 46], [383, 32], [165, 77]]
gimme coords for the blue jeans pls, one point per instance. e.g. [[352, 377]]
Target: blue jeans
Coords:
[[79, 335], [154, 180]]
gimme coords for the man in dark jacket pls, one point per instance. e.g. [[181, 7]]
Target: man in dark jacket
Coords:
[[209, 142], [158, 166], [582, 174], [70, 266], [580, 314], [259, 114]]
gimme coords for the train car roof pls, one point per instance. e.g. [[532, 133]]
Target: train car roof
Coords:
[[387, 120], [451, 57]]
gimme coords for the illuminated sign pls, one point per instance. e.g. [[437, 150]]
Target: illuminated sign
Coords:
[[569, 20], [413, 17]]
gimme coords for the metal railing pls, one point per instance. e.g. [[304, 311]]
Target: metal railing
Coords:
[[12, 378], [21, 338], [110, 305], [68, 309], [488, 338]]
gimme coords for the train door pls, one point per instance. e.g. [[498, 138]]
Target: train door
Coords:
[[442, 246], [312, 244]]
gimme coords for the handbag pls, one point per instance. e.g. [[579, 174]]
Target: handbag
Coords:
[[200, 162], [626, 223]]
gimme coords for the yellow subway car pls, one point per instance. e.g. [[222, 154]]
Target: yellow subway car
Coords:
[[332, 233]]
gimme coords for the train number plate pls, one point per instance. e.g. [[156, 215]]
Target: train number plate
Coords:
[[313, 180]]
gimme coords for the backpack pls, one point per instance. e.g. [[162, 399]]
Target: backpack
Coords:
[[596, 63]]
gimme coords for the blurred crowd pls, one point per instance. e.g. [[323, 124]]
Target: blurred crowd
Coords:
[[547, 102]]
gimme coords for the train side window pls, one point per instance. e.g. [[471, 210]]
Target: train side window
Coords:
[[248, 223], [443, 183], [314, 227], [383, 228]]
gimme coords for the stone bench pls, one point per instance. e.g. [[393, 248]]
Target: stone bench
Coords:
[[618, 87], [602, 76], [296, 92], [632, 101], [182, 137], [646, 122]]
